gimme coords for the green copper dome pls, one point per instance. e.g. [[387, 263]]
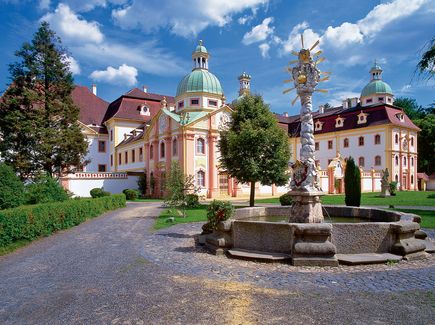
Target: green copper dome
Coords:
[[376, 87], [200, 80]]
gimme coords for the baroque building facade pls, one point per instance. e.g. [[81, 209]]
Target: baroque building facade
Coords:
[[142, 132]]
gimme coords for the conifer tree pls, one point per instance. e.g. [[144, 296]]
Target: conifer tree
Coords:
[[254, 148], [39, 130], [352, 184]]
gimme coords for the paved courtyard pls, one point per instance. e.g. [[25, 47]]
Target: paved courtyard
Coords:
[[115, 270]]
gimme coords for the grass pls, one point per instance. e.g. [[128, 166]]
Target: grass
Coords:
[[13, 246], [402, 198], [197, 214], [427, 217]]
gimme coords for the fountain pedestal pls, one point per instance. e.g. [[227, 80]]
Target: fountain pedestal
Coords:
[[306, 207]]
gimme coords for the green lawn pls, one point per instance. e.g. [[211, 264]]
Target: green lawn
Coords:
[[192, 215], [427, 217], [402, 198]]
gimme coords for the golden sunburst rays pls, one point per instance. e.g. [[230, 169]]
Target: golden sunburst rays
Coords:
[[305, 56]]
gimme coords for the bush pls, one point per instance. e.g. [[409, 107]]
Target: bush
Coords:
[[131, 194], [218, 211], [31, 222], [286, 199], [11, 188], [192, 200], [393, 188], [352, 184], [431, 196], [98, 192], [142, 184], [45, 189]]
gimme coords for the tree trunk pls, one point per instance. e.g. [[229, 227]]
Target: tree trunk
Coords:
[[252, 196]]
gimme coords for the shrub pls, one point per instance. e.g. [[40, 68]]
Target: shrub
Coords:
[[33, 221], [142, 184], [192, 200], [352, 184], [45, 189], [131, 194], [431, 196], [98, 192], [286, 199], [393, 188], [11, 188], [218, 211]]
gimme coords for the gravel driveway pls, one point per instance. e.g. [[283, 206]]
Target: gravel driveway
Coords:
[[115, 270]]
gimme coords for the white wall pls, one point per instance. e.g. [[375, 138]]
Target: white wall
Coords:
[[82, 187], [96, 157]]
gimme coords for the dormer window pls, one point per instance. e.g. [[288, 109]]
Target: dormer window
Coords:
[[318, 126], [339, 122], [362, 118], [144, 110], [401, 117]]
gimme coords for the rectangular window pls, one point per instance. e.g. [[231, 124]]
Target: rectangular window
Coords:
[[368, 101], [126, 157], [140, 154], [119, 159], [180, 104], [212, 103], [111, 160], [330, 144], [381, 99], [111, 135], [133, 156], [102, 168], [361, 141], [316, 146], [194, 102], [101, 146]]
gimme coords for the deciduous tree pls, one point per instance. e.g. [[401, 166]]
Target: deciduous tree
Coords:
[[254, 148]]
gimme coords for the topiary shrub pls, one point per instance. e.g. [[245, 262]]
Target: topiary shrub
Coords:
[[393, 188], [11, 188], [286, 199], [217, 211], [352, 184], [131, 194], [98, 192], [45, 189], [192, 200]]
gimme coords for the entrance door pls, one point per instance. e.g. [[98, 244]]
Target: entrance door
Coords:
[[223, 184]]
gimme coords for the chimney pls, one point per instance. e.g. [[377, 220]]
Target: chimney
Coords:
[[285, 114], [94, 89], [354, 101], [125, 136], [321, 109], [145, 88], [345, 103]]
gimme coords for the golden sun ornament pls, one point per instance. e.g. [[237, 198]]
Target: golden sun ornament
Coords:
[[298, 72]]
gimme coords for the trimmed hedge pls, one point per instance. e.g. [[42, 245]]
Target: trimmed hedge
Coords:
[[31, 222]]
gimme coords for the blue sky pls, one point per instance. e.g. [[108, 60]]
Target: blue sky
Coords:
[[121, 44]]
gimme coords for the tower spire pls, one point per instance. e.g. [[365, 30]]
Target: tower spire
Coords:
[[376, 71]]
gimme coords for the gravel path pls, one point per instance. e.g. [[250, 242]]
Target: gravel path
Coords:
[[115, 270]]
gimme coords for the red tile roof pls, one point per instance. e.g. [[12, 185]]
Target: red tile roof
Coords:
[[422, 176], [92, 108]]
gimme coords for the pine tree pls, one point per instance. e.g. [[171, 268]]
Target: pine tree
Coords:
[[352, 184], [39, 128], [254, 148]]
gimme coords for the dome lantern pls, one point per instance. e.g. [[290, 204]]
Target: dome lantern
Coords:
[[200, 57], [376, 91]]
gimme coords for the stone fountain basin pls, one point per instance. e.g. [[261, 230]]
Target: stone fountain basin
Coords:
[[387, 235]]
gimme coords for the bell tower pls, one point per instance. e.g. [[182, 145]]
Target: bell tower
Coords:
[[245, 84]]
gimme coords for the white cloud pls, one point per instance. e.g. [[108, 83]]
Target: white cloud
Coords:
[[88, 5], [244, 20], [73, 65], [336, 98], [259, 33], [264, 50], [293, 42], [369, 26], [184, 18], [73, 28], [123, 75]]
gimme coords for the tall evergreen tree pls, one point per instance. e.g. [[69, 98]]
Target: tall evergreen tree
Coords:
[[39, 129], [254, 148], [352, 184]]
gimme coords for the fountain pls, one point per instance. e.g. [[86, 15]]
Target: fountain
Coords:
[[305, 239]]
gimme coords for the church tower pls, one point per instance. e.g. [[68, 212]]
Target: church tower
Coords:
[[245, 84]]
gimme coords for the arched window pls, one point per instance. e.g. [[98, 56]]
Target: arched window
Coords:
[[346, 143], [412, 161], [396, 139], [412, 179], [174, 147], [377, 139], [404, 161], [396, 178], [200, 146], [200, 178], [361, 161], [412, 141], [397, 160], [151, 152], [378, 160], [361, 141], [162, 150]]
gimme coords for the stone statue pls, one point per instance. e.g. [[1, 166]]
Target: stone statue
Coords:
[[385, 184]]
